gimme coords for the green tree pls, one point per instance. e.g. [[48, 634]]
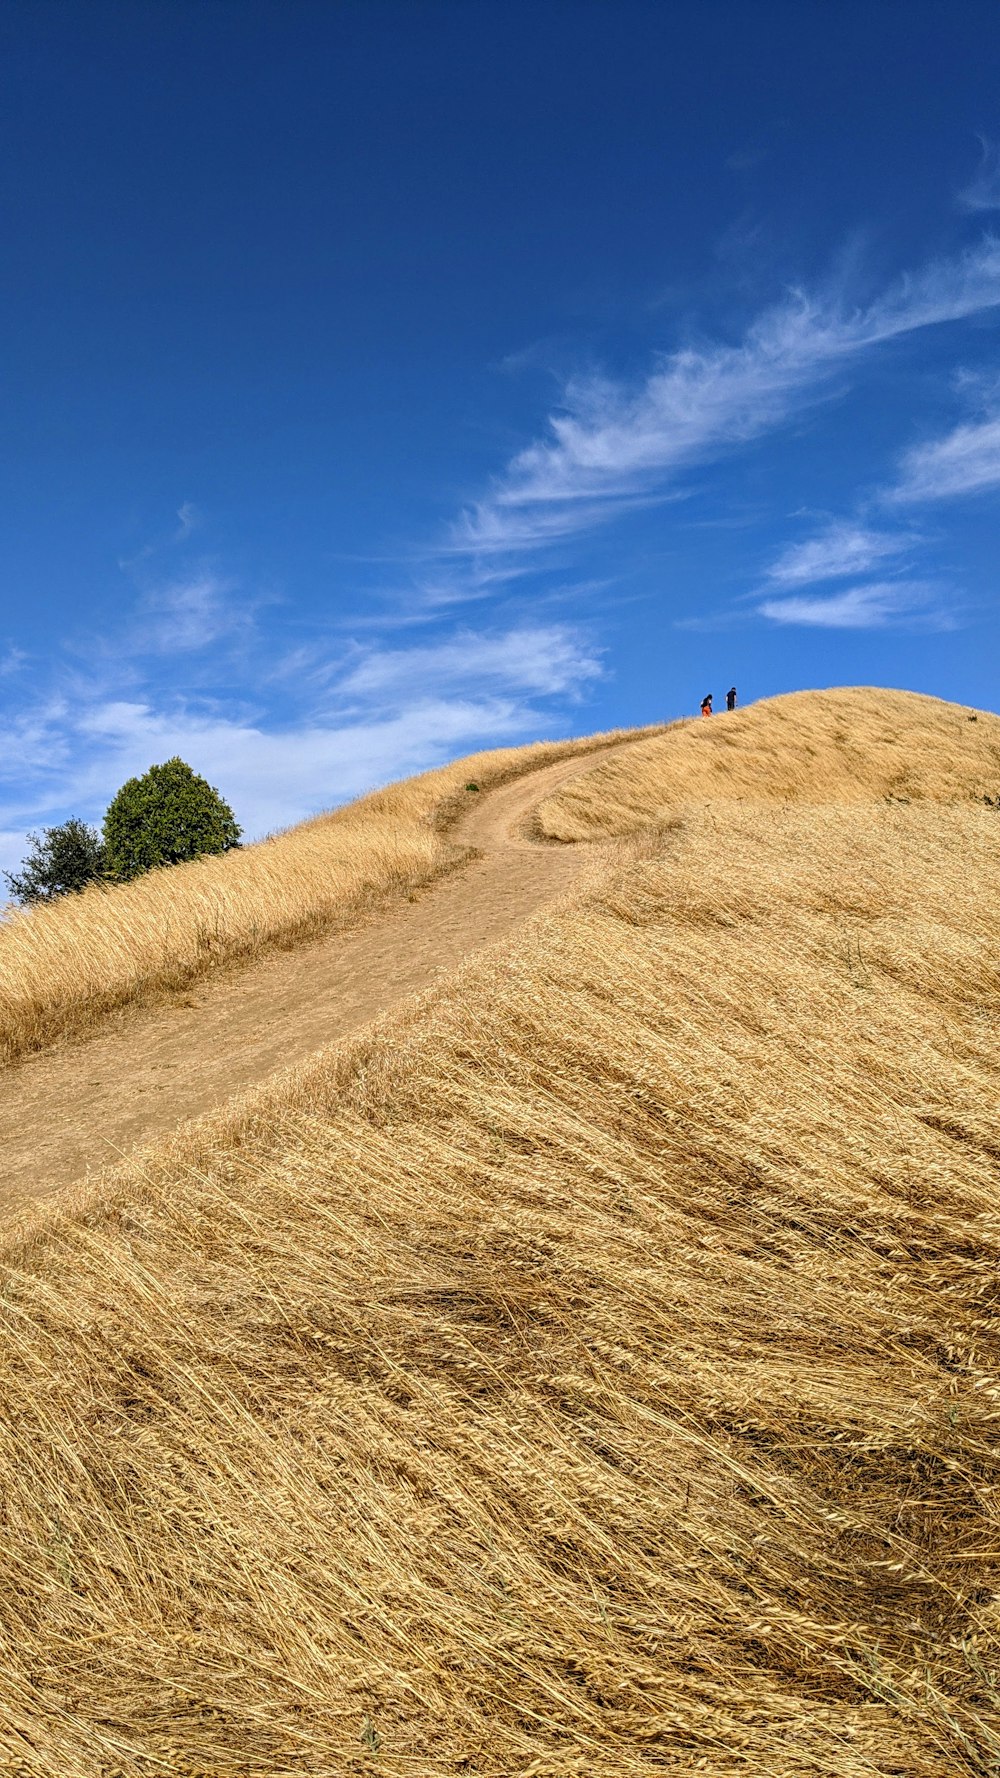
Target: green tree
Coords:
[[168, 815], [62, 860]]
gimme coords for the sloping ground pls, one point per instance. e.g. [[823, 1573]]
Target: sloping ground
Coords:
[[67, 966], [595, 1373], [80, 1107], [847, 745]]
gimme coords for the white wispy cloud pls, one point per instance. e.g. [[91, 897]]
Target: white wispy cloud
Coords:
[[188, 520], [868, 607], [546, 660], [272, 775], [192, 612], [841, 549], [983, 190], [611, 444], [189, 668], [378, 715], [965, 461]]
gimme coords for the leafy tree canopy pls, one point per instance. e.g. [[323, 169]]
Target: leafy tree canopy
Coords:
[[168, 815], [62, 860]]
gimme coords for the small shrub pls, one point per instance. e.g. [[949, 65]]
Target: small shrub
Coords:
[[62, 861]]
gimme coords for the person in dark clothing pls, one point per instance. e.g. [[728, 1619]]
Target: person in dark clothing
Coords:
[[731, 698], [706, 705]]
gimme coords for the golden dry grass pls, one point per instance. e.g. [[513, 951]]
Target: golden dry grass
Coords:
[[596, 1374], [847, 745], [66, 965]]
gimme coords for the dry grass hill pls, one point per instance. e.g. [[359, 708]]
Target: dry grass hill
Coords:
[[68, 964], [845, 747], [591, 1369]]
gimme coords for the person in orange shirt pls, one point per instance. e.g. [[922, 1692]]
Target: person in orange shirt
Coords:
[[706, 705]]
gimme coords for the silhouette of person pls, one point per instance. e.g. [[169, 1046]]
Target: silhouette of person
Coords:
[[731, 698], [706, 705]]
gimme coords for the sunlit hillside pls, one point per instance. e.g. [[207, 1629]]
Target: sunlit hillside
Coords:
[[593, 1371], [64, 966], [841, 746]]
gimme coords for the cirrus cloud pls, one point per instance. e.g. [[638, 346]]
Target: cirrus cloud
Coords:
[[612, 445], [844, 548], [868, 607], [983, 189], [965, 461]]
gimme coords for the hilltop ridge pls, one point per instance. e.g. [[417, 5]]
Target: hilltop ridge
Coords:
[[850, 744]]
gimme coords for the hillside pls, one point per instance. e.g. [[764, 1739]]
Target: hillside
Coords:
[[844, 746], [591, 1369], [164, 1058], [67, 965]]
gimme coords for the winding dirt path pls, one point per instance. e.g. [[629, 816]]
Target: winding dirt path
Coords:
[[73, 1110]]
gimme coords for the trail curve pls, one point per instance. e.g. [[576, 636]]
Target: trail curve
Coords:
[[72, 1110]]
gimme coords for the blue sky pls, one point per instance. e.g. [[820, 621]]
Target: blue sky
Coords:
[[384, 381]]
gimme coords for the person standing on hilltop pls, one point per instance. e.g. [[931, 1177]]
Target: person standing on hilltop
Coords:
[[706, 705], [731, 698]]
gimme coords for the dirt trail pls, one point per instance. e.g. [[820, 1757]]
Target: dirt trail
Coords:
[[70, 1111]]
